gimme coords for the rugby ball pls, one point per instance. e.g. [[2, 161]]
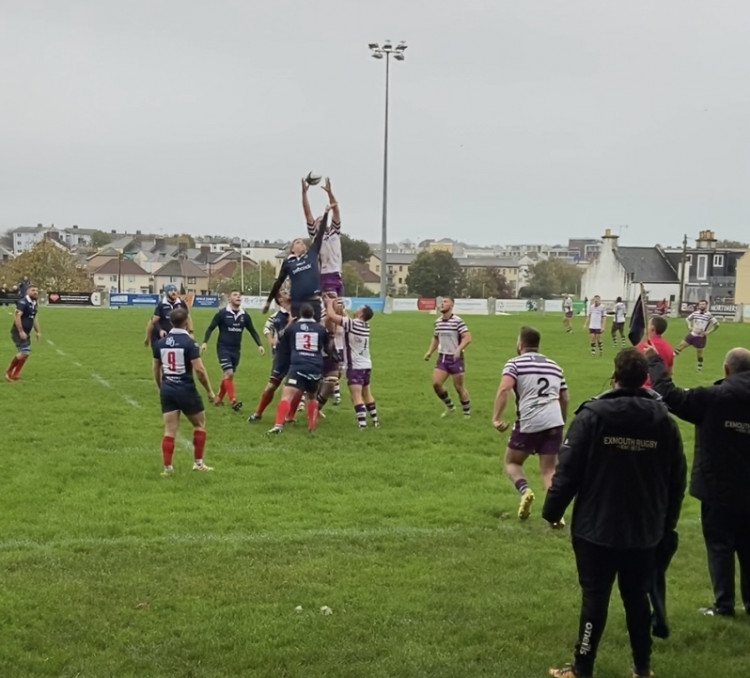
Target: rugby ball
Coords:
[[312, 179]]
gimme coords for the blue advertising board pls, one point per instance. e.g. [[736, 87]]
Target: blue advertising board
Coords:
[[133, 299], [375, 303], [202, 301]]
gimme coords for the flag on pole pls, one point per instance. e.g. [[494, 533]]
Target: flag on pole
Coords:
[[637, 322]]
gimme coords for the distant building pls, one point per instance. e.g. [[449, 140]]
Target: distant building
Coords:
[[370, 280], [617, 272], [122, 275]]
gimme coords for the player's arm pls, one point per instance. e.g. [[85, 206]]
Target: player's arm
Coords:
[[275, 288], [19, 325], [336, 215], [269, 332], [689, 321], [318, 239], [251, 329], [309, 218], [157, 372], [465, 341], [331, 315], [37, 329], [153, 320], [564, 402], [587, 322], [501, 400], [571, 467], [689, 404], [200, 371], [433, 347], [189, 323], [209, 330], [713, 325]]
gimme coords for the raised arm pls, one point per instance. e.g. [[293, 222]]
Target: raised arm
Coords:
[[331, 315], [320, 233], [688, 404], [336, 215], [309, 218]]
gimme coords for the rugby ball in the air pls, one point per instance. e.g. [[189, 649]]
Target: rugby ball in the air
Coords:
[[312, 179]]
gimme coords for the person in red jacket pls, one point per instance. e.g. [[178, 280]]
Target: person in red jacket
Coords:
[[657, 326]]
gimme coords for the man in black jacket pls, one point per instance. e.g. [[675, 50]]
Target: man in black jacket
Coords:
[[623, 462], [721, 469]]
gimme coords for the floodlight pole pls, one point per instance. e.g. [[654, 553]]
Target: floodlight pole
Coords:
[[379, 52]]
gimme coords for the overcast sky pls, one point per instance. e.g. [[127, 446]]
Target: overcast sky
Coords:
[[516, 121]]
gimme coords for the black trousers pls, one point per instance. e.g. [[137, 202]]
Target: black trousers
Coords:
[[598, 566], [727, 532]]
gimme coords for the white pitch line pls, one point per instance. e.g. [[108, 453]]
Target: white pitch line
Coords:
[[51, 343], [77, 364], [130, 401], [100, 379], [59, 352]]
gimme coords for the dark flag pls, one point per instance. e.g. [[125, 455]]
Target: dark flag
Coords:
[[637, 323]]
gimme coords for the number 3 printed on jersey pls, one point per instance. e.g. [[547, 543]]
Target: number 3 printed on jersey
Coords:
[[306, 341]]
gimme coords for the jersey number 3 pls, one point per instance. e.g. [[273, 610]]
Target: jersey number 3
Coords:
[[306, 342]]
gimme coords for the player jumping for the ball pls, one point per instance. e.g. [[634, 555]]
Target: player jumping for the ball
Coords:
[[701, 323], [450, 338]]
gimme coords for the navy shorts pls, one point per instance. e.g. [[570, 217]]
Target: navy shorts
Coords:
[[280, 367], [228, 358], [22, 345], [187, 401], [315, 303], [303, 380]]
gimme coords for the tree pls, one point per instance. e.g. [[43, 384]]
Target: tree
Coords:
[[482, 283], [354, 250], [434, 274], [552, 278], [731, 245], [50, 267], [354, 286], [267, 275], [100, 238]]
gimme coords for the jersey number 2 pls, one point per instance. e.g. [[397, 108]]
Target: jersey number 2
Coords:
[[543, 384]]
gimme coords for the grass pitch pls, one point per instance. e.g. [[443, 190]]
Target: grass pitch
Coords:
[[408, 533]]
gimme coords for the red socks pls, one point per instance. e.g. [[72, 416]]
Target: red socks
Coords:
[[228, 386], [12, 367], [265, 400], [167, 450], [222, 391], [282, 411], [199, 443], [312, 413], [295, 404]]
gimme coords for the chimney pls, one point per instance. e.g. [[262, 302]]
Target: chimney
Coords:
[[706, 240], [75, 227], [113, 231], [137, 232], [182, 247], [610, 240], [159, 245]]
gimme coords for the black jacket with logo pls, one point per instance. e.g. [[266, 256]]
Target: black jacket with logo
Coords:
[[622, 460], [721, 414]]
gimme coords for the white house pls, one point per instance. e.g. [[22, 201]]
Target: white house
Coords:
[[617, 272], [122, 275]]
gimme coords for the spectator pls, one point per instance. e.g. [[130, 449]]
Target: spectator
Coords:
[[623, 462], [721, 469]]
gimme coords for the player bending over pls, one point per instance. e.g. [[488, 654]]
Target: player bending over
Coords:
[[700, 323], [305, 340], [596, 321], [24, 321], [231, 321], [176, 357], [450, 338], [274, 330], [541, 406], [358, 361]]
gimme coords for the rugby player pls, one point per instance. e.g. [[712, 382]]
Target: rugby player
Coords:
[[331, 261], [159, 323], [568, 314], [24, 321], [595, 323], [231, 321], [541, 409], [618, 324], [176, 357], [701, 323]]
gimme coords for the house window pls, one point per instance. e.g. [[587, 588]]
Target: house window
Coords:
[[689, 259], [191, 281], [113, 278], [718, 260], [173, 279], [400, 269], [131, 278], [702, 270], [400, 281]]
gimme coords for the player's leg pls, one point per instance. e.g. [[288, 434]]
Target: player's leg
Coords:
[[236, 404], [266, 397], [198, 420], [514, 461], [439, 377], [635, 573], [592, 342], [312, 387], [599, 344], [681, 347], [623, 341], [11, 374], [699, 358], [369, 400], [23, 350], [355, 390], [290, 393], [463, 394], [171, 421], [614, 334], [720, 547], [547, 449]]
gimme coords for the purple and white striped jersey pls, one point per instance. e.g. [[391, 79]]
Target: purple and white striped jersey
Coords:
[[597, 314], [449, 332], [700, 323], [357, 338], [330, 249], [539, 382]]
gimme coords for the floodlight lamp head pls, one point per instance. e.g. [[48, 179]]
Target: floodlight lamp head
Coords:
[[387, 45], [373, 45], [401, 46], [377, 54], [398, 56]]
